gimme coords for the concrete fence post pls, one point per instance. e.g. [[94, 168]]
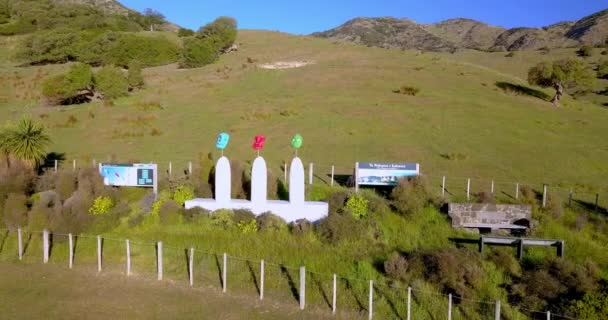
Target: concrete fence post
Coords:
[[450, 306], [45, 246], [356, 176], [73, 165], [371, 299], [492, 188], [128, 245], [443, 186], [159, 259], [71, 253], [548, 315], [98, 253], [310, 173], [517, 191], [224, 274], [333, 169], [468, 189], [544, 195], [191, 267], [497, 313], [409, 303], [190, 168], [19, 244], [262, 279], [56, 165], [170, 169], [302, 287], [334, 295]]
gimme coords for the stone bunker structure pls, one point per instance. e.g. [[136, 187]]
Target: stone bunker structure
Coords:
[[491, 217]]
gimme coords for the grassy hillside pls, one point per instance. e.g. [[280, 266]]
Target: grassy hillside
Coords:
[[344, 102]]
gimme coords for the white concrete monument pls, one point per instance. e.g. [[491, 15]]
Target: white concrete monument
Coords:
[[294, 209]]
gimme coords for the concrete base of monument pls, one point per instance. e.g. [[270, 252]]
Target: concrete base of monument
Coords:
[[311, 211]]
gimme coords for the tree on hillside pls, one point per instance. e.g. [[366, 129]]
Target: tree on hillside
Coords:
[[25, 141], [561, 74], [222, 31], [153, 18]]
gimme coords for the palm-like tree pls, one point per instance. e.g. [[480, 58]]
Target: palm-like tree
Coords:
[[26, 141]]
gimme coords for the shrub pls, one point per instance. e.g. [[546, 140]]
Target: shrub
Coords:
[[555, 206], [510, 55], [185, 32], [336, 228], [505, 260], [15, 211], [101, 206], [411, 195], [111, 82], [485, 197], [247, 227], [148, 50], [221, 32], [300, 227], [65, 183], [182, 194], [357, 206], [270, 222], [408, 90], [605, 52], [455, 271], [75, 215], [242, 215], [135, 76], [18, 178], [337, 201], [590, 307], [198, 53], [222, 218], [91, 183], [72, 86], [528, 195], [162, 197], [147, 202], [585, 51], [170, 213], [396, 267], [46, 210]]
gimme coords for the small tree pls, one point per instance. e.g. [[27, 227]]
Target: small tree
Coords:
[[26, 141], [585, 51], [561, 74], [222, 31], [112, 83], [73, 86], [152, 18]]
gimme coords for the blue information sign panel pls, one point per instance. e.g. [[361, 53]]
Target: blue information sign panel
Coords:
[[385, 174], [128, 175]]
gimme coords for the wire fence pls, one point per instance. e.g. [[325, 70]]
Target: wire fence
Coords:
[[305, 289], [452, 187]]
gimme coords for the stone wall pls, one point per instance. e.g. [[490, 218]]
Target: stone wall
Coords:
[[498, 214]]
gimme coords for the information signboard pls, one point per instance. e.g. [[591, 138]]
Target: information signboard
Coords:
[[129, 175], [384, 174]]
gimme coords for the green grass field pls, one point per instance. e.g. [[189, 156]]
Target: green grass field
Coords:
[[344, 102]]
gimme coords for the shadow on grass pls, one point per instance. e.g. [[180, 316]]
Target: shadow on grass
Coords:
[[320, 286], [351, 289], [27, 243], [3, 241], [390, 302], [253, 277], [522, 90], [219, 269], [590, 207], [292, 285]]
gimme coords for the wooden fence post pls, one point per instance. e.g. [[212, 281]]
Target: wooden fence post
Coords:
[[492, 188], [20, 244], [443, 187], [190, 168], [73, 165], [71, 253], [332, 174], [310, 173], [262, 279], [191, 267], [409, 303], [468, 189], [544, 195], [517, 191], [170, 169], [450, 306], [224, 274], [45, 246], [302, 287], [356, 176], [497, 313], [56, 165], [371, 299], [128, 245], [159, 259], [334, 295], [98, 253]]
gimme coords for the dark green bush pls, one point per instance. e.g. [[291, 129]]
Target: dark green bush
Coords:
[[111, 82], [15, 211], [198, 53], [170, 213], [18, 178], [242, 216], [408, 90], [602, 71], [412, 194], [456, 271], [300, 227], [135, 77], [270, 222], [221, 32], [148, 50], [396, 267], [64, 88], [336, 228], [585, 51]]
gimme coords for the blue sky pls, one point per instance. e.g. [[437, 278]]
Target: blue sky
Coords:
[[304, 17]]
